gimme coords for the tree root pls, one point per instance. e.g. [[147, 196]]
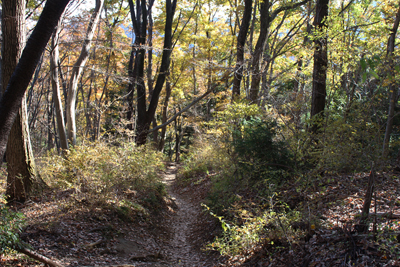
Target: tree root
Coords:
[[39, 257]]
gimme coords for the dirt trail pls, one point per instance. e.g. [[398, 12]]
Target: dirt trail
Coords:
[[79, 236], [180, 250]]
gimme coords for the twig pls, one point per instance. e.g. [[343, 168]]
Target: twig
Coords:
[[374, 226], [284, 230]]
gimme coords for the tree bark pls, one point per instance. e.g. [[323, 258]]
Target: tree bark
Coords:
[[19, 155], [39, 257], [266, 19], [19, 81], [145, 116], [54, 58], [392, 85], [164, 116], [320, 65], [241, 40], [363, 223], [77, 71]]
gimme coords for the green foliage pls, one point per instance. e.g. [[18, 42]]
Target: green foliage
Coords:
[[11, 224], [230, 117], [342, 145], [258, 151], [205, 155], [268, 228], [127, 210]]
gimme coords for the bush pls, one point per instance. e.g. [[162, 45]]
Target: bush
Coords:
[[268, 228], [11, 224], [101, 167], [106, 173], [341, 146], [205, 156], [258, 151]]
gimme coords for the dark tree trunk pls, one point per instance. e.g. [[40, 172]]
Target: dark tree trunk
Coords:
[[139, 20], [256, 75], [392, 86], [19, 81], [320, 66], [266, 19], [164, 116], [130, 112], [241, 40]]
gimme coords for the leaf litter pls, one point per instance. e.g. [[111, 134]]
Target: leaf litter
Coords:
[[80, 235]]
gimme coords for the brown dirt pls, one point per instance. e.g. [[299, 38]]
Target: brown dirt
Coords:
[[67, 228]]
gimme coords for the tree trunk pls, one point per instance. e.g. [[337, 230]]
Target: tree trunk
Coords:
[[20, 160], [50, 111], [320, 66], [363, 225], [54, 58], [266, 19], [129, 98], [241, 40], [392, 86], [145, 117], [19, 81], [77, 71], [164, 116]]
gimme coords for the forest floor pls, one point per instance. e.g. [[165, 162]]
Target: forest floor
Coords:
[[64, 227]]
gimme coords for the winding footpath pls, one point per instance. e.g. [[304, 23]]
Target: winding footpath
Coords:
[[179, 250]]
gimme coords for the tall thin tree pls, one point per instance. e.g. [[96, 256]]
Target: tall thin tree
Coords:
[[241, 40], [320, 64], [392, 86], [145, 114], [54, 58], [77, 71]]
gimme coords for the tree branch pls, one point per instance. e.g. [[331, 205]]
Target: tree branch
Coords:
[[39, 257], [287, 7], [183, 110]]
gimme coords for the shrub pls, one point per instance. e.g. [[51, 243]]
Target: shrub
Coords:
[[266, 228], [104, 171], [99, 167], [258, 151], [341, 146], [205, 156], [11, 224]]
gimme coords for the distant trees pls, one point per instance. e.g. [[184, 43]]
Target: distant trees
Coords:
[[110, 75]]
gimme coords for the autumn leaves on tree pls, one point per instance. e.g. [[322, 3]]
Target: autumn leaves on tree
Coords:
[[133, 68]]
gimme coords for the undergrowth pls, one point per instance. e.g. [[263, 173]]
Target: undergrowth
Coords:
[[248, 167], [11, 224], [121, 177], [262, 158]]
